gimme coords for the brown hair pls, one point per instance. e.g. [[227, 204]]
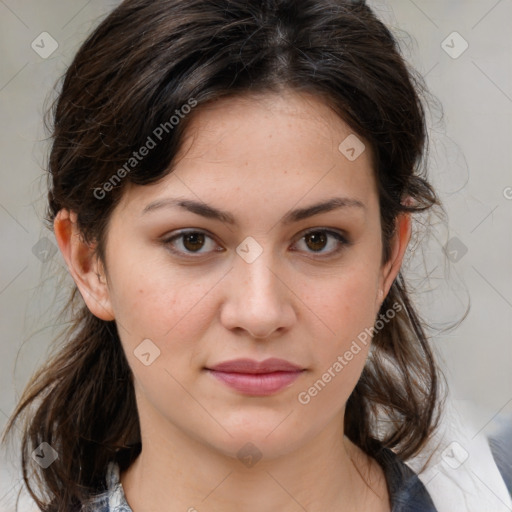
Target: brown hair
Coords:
[[139, 68]]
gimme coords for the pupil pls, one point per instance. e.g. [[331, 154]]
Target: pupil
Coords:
[[318, 238], [194, 238]]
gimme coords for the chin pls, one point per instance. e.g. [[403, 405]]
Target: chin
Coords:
[[257, 438]]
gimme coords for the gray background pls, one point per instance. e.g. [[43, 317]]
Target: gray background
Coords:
[[470, 164]]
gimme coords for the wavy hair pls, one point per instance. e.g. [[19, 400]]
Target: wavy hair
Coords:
[[143, 63]]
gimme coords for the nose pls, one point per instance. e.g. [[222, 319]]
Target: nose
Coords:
[[259, 300]]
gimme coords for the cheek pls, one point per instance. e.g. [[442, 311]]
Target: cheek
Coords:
[[346, 307], [173, 315], [161, 305], [347, 303]]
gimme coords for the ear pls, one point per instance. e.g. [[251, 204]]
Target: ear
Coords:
[[399, 245], [84, 265]]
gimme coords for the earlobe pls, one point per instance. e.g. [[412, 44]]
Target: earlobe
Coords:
[[83, 264]]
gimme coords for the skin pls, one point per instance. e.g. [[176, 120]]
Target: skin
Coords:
[[258, 158]]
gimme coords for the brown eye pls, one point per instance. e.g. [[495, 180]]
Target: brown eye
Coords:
[[193, 241], [316, 240], [319, 239]]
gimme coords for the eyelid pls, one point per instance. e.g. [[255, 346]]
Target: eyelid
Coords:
[[338, 234], [167, 239]]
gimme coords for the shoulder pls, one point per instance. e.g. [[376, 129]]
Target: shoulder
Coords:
[[393, 477], [111, 500], [500, 442], [406, 491], [467, 465]]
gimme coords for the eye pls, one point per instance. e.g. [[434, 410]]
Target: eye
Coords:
[[190, 242], [318, 239]]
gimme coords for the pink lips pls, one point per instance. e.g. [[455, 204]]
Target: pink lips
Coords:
[[256, 378]]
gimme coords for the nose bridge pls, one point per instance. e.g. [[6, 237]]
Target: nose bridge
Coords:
[[259, 279], [259, 303]]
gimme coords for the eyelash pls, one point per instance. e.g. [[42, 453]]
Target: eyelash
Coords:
[[343, 242]]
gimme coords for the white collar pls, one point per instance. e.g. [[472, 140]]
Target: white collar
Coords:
[[462, 474]]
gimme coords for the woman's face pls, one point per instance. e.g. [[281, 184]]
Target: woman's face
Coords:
[[250, 283]]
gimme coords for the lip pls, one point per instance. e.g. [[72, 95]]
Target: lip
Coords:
[[257, 378], [272, 364]]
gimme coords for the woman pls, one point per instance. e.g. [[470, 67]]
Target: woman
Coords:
[[232, 185]]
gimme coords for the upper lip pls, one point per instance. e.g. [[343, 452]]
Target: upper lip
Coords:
[[251, 366]]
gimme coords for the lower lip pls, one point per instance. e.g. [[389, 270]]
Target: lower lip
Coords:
[[259, 384]]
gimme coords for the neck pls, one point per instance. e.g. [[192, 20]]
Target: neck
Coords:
[[177, 473]]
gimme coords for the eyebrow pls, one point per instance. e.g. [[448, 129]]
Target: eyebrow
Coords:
[[210, 212]]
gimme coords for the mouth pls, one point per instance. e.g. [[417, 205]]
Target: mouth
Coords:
[[255, 378]]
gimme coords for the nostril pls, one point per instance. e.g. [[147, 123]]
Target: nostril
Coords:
[[260, 336]]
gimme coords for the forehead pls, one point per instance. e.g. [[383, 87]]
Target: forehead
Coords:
[[266, 150], [292, 121]]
